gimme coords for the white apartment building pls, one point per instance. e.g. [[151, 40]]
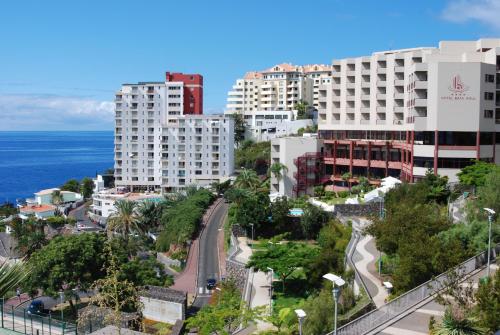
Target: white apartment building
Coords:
[[274, 91], [158, 147], [278, 88], [302, 158], [266, 125], [196, 150], [400, 112]]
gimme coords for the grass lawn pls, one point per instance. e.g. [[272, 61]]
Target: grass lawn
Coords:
[[335, 201]]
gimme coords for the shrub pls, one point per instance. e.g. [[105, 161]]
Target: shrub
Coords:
[[343, 194]]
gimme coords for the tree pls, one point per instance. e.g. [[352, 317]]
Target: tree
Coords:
[[226, 315], [239, 128], [125, 220], [254, 156], [302, 110], [488, 195], [312, 220], [280, 211], [475, 174], [488, 303], [7, 209], [87, 187], [346, 178], [67, 263], [221, 188], [277, 170], [283, 258], [114, 295], [144, 272], [455, 323], [71, 185], [29, 234], [149, 214], [11, 275], [57, 198], [247, 179]]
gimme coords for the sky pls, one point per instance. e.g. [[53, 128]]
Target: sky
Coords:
[[62, 61]]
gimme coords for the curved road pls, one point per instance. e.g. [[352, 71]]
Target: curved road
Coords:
[[208, 261]]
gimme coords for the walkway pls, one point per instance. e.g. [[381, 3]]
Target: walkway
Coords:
[[365, 259], [416, 320], [259, 283]]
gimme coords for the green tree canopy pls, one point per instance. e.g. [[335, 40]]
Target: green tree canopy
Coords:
[[67, 263], [475, 174], [247, 179], [254, 156], [283, 258], [71, 185], [239, 128], [87, 187]]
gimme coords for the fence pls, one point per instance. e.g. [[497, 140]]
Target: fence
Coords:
[[19, 320], [399, 305]]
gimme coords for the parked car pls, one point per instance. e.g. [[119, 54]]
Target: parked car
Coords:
[[37, 307]]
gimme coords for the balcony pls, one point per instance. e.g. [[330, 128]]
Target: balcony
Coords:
[[397, 122], [365, 97], [381, 70], [381, 83], [421, 102], [398, 109], [365, 109], [420, 85], [351, 85], [399, 96], [349, 121], [399, 69], [365, 72], [381, 96], [364, 121], [381, 109], [399, 82], [365, 84], [381, 121]]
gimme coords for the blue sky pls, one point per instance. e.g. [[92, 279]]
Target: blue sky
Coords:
[[61, 61]]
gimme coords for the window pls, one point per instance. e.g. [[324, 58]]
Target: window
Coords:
[[489, 78], [488, 95], [488, 114], [457, 138]]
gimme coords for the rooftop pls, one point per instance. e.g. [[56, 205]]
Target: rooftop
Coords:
[[36, 208], [163, 293]]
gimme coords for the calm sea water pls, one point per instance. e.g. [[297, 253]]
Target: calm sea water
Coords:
[[31, 161]]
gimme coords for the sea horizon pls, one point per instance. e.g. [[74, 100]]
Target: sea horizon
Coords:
[[31, 160]]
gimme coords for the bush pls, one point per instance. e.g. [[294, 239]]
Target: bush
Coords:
[[343, 194]]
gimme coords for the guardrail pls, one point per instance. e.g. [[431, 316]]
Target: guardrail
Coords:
[[19, 320], [378, 317]]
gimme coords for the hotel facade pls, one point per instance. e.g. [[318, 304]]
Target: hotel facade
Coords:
[[401, 112], [162, 140]]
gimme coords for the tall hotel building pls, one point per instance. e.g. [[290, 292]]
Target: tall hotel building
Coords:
[[162, 140], [401, 112]]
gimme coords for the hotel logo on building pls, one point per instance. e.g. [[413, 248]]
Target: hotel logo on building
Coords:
[[458, 90]]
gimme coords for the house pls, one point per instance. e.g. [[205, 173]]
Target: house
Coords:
[[39, 211], [44, 197]]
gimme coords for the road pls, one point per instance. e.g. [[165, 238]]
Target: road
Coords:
[[80, 214], [208, 262]]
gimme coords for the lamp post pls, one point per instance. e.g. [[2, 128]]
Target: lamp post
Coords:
[[271, 292], [491, 214], [382, 212], [251, 224], [61, 295], [301, 315], [337, 283]]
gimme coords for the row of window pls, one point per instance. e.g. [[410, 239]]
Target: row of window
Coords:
[[454, 138]]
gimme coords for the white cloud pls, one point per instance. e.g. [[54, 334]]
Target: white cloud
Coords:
[[53, 112], [484, 11]]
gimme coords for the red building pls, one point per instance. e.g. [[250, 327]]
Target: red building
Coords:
[[193, 91]]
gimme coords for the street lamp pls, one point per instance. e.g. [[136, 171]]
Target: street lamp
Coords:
[[301, 315], [271, 292], [491, 214], [61, 295], [337, 282], [251, 224]]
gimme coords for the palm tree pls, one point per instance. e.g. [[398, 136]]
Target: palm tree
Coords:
[[277, 170], [456, 323], [238, 195], [247, 179], [11, 275], [125, 220], [149, 214], [57, 198]]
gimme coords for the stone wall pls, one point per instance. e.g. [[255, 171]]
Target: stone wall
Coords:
[[371, 208], [237, 272]]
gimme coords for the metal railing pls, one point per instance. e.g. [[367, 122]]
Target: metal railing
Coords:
[[378, 317], [21, 321]]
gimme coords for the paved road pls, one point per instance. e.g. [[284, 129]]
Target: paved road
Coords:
[[208, 262], [80, 214]]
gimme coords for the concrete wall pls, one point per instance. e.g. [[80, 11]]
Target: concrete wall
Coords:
[[162, 311]]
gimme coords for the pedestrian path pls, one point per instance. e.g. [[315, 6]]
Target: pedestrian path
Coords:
[[367, 268], [259, 284]]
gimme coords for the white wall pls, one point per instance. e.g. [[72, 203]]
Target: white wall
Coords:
[[162, 311]]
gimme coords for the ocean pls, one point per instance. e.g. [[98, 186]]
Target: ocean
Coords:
[[34, 160]]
